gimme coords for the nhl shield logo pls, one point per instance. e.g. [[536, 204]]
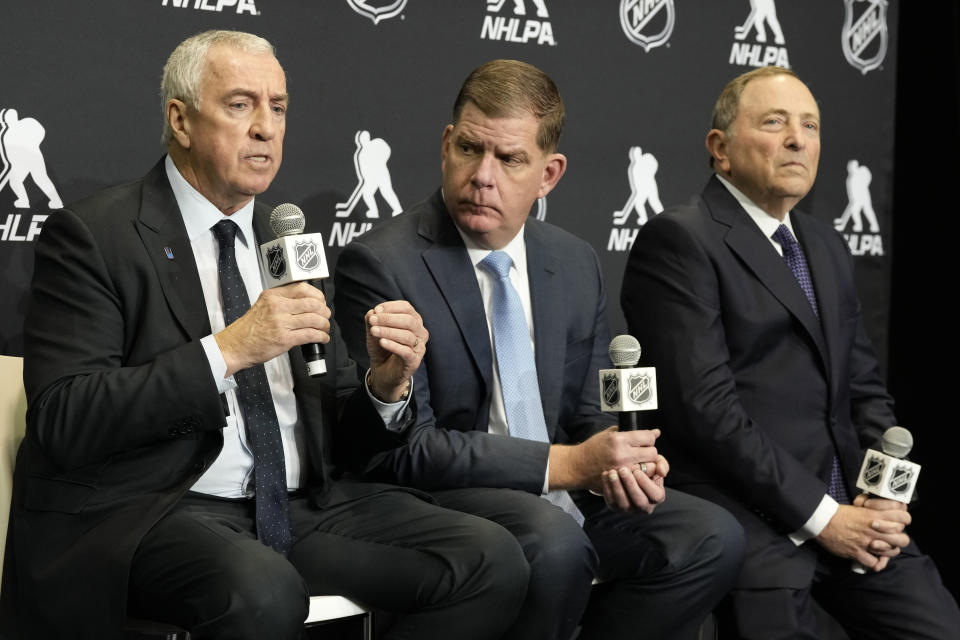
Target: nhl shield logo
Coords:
[[873, 474], [900, 479], [639, 388], [308, 258], [377, 10], [648, 23], [277, 263], [611, 389], [864, 36]]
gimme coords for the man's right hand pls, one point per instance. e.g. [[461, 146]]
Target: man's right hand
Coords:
[[869, 536], [279, 320], [583, 466]]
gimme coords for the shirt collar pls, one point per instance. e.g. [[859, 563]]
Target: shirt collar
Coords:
[[767, 223], [199, 214], [516, 249]]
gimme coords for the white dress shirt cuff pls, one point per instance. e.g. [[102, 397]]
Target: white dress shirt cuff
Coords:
[[817, 522], [218, 366], [394, 414]]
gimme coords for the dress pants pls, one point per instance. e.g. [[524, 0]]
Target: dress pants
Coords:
[[448, 574], [662, 573], [907, 600]]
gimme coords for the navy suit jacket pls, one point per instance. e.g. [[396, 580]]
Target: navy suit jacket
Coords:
[[757, 395], [123, 414], [420, 257]]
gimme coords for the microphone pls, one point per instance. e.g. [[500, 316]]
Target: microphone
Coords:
[[294, 257], [627, 388], [888, 474]]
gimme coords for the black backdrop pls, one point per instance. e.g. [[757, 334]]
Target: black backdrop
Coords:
[[634, 73]]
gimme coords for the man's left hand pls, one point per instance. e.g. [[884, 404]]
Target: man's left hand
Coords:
[[396, 342]]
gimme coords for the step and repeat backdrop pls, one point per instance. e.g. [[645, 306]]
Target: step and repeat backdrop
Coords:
[[372, 83]]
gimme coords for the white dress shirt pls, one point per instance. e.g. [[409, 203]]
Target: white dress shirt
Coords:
[[230, 474]]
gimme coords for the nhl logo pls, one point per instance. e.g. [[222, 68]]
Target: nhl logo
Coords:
[[308, 258], [611, 389], [864, 36], [377, 11], [277, 263], [639, 388], [900, 479], [639, 17], [873, 474]]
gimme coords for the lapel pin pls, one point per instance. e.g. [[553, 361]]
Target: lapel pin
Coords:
[[169, 252]]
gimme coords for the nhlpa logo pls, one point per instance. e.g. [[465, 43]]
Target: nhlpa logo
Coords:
[[860, 206], [519, 28], [641, 175], [377, 11], [763, 13], [21, 158], [241, 6], [648, 23], [370, 164], [864, 36], [276, 262]]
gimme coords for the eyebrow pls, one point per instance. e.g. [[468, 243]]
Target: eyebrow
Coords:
[[249, 93], [783, 112]]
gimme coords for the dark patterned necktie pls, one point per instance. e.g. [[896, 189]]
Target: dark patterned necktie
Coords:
[[798, 265], [517, 368], [259, 414]]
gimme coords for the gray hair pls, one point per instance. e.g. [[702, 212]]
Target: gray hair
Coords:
[[185, 68]]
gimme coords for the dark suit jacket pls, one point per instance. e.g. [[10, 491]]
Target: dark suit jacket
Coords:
[[756, 394], [123, 414], [419, 256]]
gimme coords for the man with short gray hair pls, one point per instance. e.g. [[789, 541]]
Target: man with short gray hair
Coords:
[[178, 461]]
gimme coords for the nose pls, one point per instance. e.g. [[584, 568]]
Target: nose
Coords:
[[484, 172], [795, 138], [264, 123]]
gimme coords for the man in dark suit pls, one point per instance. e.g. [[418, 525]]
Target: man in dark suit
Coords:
[[177, 461], [769, 388], [508, 391]]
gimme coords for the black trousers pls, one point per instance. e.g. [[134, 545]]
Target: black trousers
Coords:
[[907, 600], [662, 573], [449, 574]]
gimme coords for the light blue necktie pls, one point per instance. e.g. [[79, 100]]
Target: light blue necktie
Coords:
[[517, 368]]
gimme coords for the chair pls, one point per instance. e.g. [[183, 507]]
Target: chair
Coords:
[[13, 409]]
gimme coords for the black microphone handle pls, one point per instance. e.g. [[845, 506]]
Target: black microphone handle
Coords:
[[627, 421], [315, 351]]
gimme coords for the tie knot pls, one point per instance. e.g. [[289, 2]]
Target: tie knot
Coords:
[[497, 263], [226, 232], [784, 237]]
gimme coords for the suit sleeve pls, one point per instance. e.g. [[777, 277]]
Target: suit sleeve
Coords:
[[671, 300], [87, 400], [428, 455]]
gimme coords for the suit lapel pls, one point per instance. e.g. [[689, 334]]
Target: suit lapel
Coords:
[[546, 288], [450, 266], [747, 241], [163, 233]]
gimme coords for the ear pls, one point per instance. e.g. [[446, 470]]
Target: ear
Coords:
[[179, 122], [445, 142], [552, 172], [717, 148]]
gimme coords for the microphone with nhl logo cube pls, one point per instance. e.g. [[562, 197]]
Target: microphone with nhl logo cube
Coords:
[[888, 474], [295, 257], [627, 388]]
